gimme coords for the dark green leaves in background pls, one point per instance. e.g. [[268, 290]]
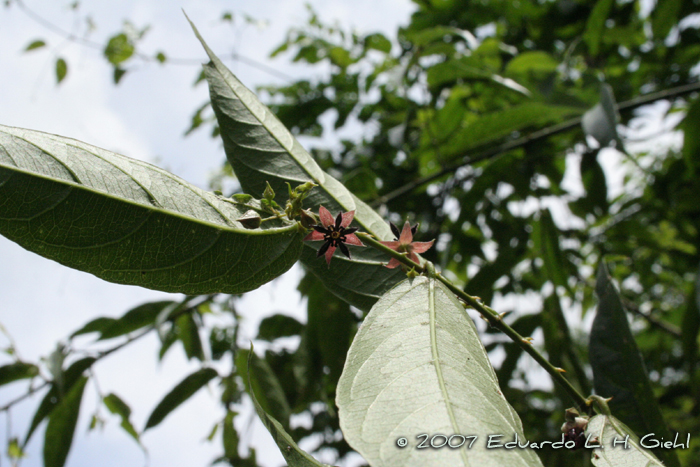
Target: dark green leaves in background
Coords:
[[619, 371], [179, 394]]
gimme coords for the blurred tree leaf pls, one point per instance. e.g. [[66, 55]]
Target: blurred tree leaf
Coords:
[[16, 371], [179, 394], [61, 427], [618, 369]]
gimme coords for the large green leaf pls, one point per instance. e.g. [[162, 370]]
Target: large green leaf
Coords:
[[620, 446], [417, 366], [61, 427], [129, 222], [618, 369], [261, 150]]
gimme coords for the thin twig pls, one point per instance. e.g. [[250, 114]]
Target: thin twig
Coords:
[[31, 391], [493, 317], [653, 320]]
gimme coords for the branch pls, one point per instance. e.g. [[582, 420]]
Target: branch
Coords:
[[535, 136], [491, 316], [31, 391], [653, 320]]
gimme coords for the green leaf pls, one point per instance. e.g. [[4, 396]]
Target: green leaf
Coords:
[[118, 49], [463, 68], [620, 446], [496, 125], [61, 426], [546, 241], [134, 319], [118, 407], [265, 384], [690, 328], [188, 332], [417, 366], [328, 330], [179, 394], [118, 74], [16, 371], [118, 218], [291, 452], [600, 122], [691, 136], [261, 150], [664, 17], [618, 368], [535, 62], [37, 44], [53, 397], [15, 451], [61, 70], [379, 42], [596, 25], [277, 326]]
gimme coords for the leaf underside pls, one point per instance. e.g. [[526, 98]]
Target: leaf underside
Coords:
[[261, 150], [611, 434], [129, 222], [417, 366]]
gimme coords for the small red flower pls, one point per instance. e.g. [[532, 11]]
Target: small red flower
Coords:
[[335, 233], [405, 244]]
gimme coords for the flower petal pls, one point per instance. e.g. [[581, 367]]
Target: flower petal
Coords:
[[414, 257], [338, 221], [344, 250], [394, 263], [314, 235], [325, 215], [352, 239], [393, 245], [406, 234], [329, 254], [347, 218], [422, 247]]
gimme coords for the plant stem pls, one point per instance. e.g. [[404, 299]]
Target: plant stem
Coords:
[[491, 316]]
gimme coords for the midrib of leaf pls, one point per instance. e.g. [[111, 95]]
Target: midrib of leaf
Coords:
[[155, 207], [438, 365], [622, 432]]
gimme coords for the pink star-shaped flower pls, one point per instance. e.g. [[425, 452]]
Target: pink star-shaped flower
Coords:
[[405, 244], [335, 233]]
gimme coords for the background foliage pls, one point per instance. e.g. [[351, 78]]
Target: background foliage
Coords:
[[470, 124]]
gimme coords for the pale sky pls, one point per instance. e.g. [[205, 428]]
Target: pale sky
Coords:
[[42, 302]]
